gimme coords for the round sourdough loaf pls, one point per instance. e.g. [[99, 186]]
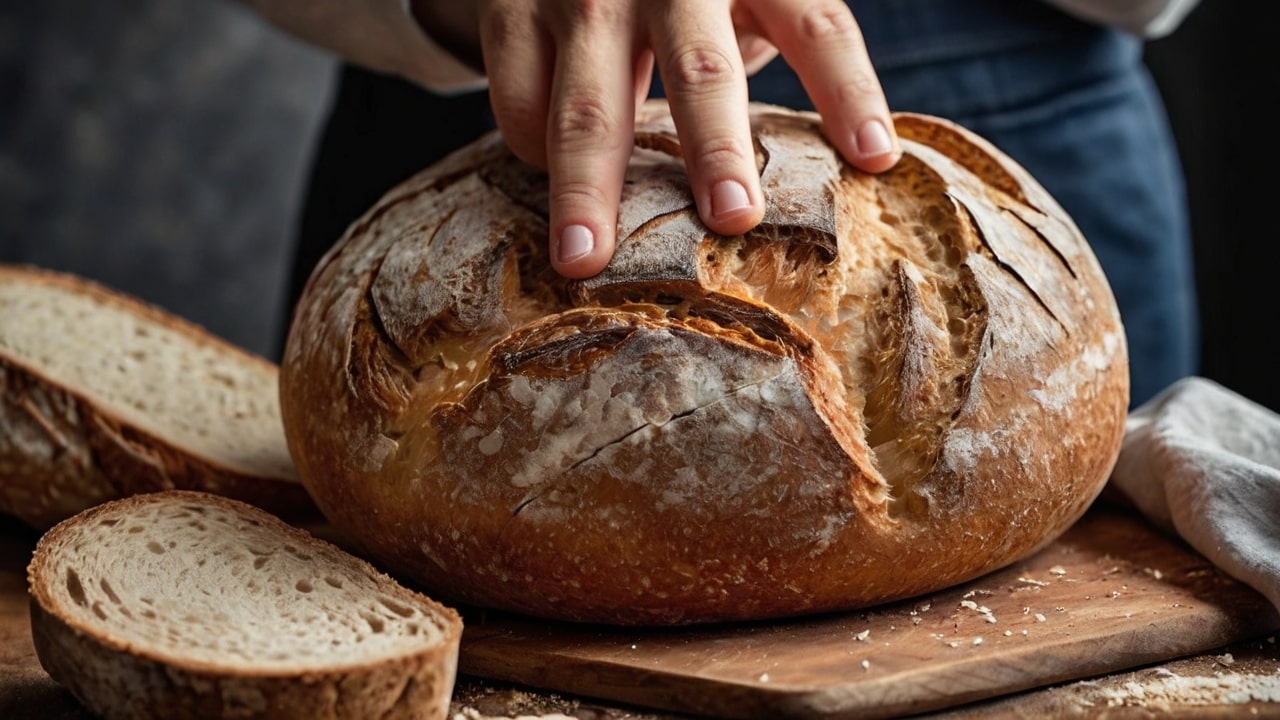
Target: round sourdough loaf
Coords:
[[896, 383]]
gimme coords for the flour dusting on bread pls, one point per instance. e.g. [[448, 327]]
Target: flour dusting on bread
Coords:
[[799, 419]]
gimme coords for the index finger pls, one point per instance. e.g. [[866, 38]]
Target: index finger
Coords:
[[706, 83], [590, 135], [822, 42]]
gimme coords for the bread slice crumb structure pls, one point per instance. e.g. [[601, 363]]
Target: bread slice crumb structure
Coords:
[[183, 604], [103, 396]]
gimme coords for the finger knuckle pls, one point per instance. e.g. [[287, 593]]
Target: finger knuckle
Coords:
[[853, 91], [580, 120], [828, 23], [698, 67], [722, 152], [576, 193], [586, 12]]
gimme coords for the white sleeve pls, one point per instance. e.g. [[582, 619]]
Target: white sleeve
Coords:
[[1145, 18]]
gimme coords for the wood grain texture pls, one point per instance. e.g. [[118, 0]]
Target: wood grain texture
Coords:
[[1172, 614], [1109, 595]]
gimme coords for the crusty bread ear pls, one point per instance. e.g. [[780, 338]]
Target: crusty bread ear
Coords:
[[103, 396], [181, 604]]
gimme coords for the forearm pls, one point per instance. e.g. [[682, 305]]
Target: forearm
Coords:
[[382, 35]]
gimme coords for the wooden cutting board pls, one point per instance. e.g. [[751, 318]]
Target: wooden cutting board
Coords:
[[1111, 594]]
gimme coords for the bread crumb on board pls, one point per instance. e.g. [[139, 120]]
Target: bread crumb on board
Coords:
[[1171, 689], [1241, 680], [473, 714], [483, 700]]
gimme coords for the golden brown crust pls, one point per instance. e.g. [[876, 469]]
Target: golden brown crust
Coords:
[[116, 684], [897, 383]]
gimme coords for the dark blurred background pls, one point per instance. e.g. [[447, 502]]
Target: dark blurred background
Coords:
[[158, 146], [1217, 73], [161, 148]]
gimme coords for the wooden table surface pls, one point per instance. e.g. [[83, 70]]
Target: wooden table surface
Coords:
[[1240, 679]]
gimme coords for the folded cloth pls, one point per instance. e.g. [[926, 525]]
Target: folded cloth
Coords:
[[1203, 461]]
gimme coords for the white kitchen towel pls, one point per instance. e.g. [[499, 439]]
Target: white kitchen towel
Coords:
[[1204, 461]]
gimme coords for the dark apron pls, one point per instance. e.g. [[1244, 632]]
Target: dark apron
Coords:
[[1070, 101]]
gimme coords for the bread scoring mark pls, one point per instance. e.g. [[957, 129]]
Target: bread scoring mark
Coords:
[[925, 355], [1010, 269], [907, 361], [966, 151], [651, 225], [690, 303], [435, 181], [654, 185], [448, 286], [1022, 214], [661, 235], [759, 387], [667, 253], [1019, 343], [561, 344], [377, 369], [444, 275], [570, 426], [394, 202], [521, 183], [658, 227], [797, 182]]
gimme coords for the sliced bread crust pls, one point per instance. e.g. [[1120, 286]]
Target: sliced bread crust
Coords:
[[184, 604], [103, 395]]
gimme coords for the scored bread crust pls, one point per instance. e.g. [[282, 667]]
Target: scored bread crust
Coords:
[[64, 449], [896, 383], [118, 675]]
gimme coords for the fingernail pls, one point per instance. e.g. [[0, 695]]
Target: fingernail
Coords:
[[575, 241], [872, 139], [728, 196]]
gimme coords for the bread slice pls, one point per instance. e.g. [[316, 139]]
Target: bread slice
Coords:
[[184, 604], [103, 396]]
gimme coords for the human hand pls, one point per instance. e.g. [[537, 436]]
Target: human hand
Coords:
[[565, 77]]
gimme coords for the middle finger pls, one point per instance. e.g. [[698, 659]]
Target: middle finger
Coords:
[[590, 132], [698, 57]]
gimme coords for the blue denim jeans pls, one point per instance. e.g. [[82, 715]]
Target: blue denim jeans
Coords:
[[1075, 105]]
